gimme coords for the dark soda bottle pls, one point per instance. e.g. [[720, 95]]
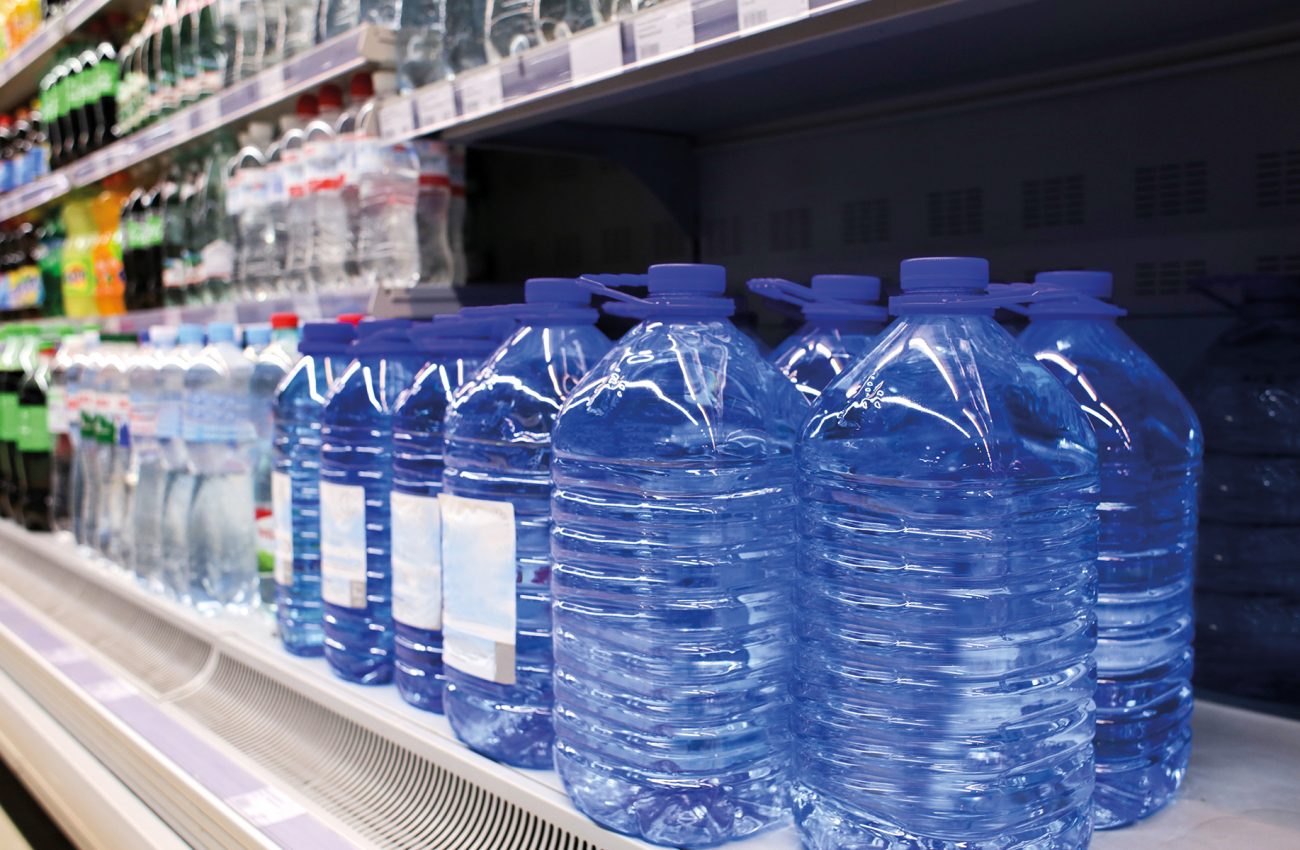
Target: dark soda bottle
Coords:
[[34, 446]]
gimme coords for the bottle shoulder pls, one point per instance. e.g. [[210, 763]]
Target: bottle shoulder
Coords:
[[951, 398], [679, 391]]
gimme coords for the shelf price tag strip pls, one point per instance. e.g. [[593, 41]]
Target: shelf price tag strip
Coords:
[[267, 808]]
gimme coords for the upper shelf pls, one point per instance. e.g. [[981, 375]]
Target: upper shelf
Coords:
[[356, 49], [715, 67]]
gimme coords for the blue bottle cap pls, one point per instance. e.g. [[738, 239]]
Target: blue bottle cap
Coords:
[[456, 334], [687, 279], [326, 338], [189, 334], [220, 332], [921, 273], [1094, 283], [555, 290], [858, 288], [257, 335]]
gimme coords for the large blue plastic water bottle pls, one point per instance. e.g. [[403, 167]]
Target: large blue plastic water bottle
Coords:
[[945, 598], [496, 519], [295, 482], [673, 544], [1149, 448], [841, 322], [356, 475], [454, 347]]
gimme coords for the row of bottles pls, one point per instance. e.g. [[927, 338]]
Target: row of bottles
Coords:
[[24, 156], [78, 94], [640, 567]]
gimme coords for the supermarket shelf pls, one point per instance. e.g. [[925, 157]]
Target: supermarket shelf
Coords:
[[699, 67], [234, 743], [309, 306], [356, 49], [21, 71]]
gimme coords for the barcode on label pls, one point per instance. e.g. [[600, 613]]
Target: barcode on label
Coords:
[[761, 13], [663, 30]]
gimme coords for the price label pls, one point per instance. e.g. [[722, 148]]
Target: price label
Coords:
[[664, 30], [761, 14], [480, 91], [435, 106], [270, 85], [206, 113], [596, 53], [397, 119]]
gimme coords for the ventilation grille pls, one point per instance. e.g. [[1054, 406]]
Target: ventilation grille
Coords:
[[956, 212], [721, 237], [1288, 264], [1169, 277], [388, 794], [1277, 179], [790, 230], [1175, 188], [866, 222], [159, 655], [1052, 202]]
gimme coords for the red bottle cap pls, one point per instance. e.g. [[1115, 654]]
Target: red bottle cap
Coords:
[[362, 87], [353, 319], [330, 97], [307, 106], [281, 321]]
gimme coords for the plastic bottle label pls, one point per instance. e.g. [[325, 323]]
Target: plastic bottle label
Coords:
[[264, 528], [8, 416], [417, 561], [143, 417], [282, 519], [33, 431], [343, 544], [478, 586], [58, 410], [216, 418]]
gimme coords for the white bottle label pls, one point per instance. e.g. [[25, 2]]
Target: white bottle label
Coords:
[[343, 544], [417, 561], [57, 410], [478, 586], [282, 520]]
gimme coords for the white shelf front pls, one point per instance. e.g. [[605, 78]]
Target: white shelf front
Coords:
[[236, 744]]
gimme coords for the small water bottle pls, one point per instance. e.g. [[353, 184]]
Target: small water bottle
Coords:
[[179, 486], [144, 380], [454, 346], [1149, 448], [295, 482], [841, 322], [217, 427], [946, 587], [496, 515], [673, 546], [356, 476]]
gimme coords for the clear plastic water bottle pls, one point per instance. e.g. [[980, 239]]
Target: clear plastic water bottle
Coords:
[[323, 154], [388, 191], [454, 347], [496, 516], [112, 529], [62, 418], [178, 489], [456, 215], [945, 589], [356, 476], [841, 322], [295, 482], [432, 211], [271, 363], [219, 435], [338, 16], [290, 207], [83, 489], [1247, 393], [248, 194], [421, 35], [300, 25], [144, 387], [1149, 448], [673, 542]]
